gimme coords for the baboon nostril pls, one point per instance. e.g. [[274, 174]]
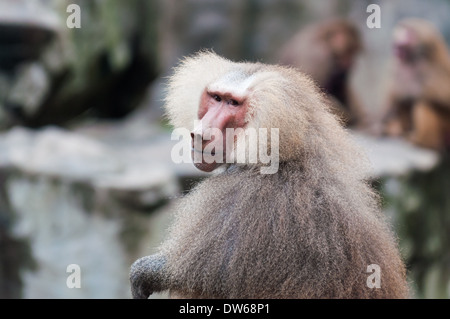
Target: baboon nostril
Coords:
[[196, 137]]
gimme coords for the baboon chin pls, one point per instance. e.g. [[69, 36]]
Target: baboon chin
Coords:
[[309, 230]]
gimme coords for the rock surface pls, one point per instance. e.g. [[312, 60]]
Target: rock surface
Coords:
[[396, 157], [77, 200]]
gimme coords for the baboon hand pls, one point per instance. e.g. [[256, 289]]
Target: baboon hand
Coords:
[[147, 276]]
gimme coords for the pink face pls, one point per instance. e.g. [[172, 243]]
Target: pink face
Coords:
[[217, 110], [404, 44], [344, 46]]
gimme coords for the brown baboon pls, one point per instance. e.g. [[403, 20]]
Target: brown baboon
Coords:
[[308, 230], [327, 52], [418, 105]]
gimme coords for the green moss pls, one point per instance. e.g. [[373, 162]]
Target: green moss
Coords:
[[422, 222]]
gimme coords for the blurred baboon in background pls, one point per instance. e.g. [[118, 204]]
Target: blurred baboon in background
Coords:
[[327, 52], [418, 97], [308, 230]]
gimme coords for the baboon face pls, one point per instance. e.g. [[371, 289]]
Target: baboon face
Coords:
[[345, 45], [222, 106], [406, 44]]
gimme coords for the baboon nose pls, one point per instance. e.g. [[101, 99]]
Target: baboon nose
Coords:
[[196, 140]]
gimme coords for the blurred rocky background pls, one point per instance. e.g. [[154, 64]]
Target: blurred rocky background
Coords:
[[86, 175]]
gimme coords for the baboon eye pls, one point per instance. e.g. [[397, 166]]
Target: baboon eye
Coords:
[[234, 102], [217, 98]]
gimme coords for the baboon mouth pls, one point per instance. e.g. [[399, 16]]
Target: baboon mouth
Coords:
[[212, 153]]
